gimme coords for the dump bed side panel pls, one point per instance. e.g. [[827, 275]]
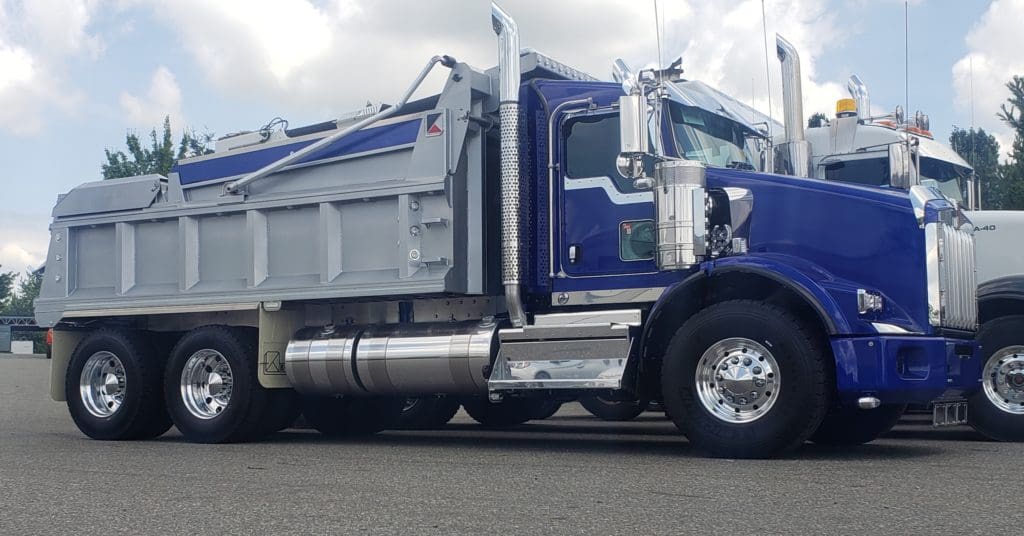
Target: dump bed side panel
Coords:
[[390, 216]]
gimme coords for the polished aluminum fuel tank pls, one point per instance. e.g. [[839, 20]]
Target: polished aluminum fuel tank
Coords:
[[679, 201], [406, 359]]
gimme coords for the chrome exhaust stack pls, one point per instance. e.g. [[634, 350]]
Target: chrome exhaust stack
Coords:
[[508, 113], [793, 156], [859, 92]]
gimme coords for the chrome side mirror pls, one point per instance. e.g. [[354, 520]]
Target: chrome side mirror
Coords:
[[633, 124], [899, 166], [633, 141]]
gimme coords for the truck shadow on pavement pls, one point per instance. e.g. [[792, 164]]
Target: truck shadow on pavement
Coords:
[[585, 439]]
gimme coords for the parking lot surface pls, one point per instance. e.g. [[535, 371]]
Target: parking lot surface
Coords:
[[570, 474]]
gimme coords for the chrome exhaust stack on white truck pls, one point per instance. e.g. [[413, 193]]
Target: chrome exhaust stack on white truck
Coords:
[[793, 156]]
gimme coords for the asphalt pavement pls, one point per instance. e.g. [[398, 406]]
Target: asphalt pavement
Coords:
[[570, 474]]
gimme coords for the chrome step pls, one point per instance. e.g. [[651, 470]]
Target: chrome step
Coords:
[[566, 351]]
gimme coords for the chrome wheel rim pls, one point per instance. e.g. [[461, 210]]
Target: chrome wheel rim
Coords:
[[1003, 377], [206, 382], [737, 380], [102, 384]]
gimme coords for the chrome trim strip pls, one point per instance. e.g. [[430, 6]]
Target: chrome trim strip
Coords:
[[624, 316], [595, 297], [606, 184], [161, 310], [892, 329]]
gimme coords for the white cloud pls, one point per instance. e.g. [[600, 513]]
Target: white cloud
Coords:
[[994, 48], [729, 52], [36, 39], [23, 241], [163, 98], [58, 28], [27, 89], [310, 56]]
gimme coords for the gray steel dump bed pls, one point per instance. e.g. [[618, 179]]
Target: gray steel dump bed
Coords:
[[391, 210]]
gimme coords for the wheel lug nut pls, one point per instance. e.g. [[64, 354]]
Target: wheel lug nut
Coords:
[[757, 370], [747, 361], [729, 398], [735, 360], [743, 401], [725, 366], [759, 382], [754, 395]]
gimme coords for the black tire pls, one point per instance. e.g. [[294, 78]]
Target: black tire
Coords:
[[805, 381], [142, 414], [542, 409], [427, 413], [283, 408], [612, 410], [509, 412], [998, 335], [244, 417], [336, 416], [855, 426]]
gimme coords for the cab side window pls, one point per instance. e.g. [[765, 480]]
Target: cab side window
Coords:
[[591, 147]]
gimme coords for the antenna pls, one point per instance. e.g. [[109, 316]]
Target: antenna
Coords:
[[906, 84], [767, 75], [977, 180], [657, 34]]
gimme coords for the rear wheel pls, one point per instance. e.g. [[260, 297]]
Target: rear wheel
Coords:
[[997, 409], [283, 408], [855, 426], [509, 412], [211, 388], [427, 413], [612, 410], [113, 387], [745, 379], [346, 416]]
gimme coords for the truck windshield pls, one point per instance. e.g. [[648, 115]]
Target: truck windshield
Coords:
[[949, 176], [709, 138]]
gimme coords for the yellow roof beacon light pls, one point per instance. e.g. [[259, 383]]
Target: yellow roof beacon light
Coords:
[[846, 108]]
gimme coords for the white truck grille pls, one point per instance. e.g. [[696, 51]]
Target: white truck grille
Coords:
[[952, 264]]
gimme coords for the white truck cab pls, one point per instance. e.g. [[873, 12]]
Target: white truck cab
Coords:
[[892, 152]]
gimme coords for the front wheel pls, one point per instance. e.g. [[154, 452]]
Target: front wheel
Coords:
[[745, 379], [855, 426], [997, 409]]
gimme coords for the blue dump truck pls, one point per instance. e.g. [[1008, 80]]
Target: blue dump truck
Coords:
[[529, 234]]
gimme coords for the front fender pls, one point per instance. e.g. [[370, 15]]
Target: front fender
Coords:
[[834, 298], [794, 274]]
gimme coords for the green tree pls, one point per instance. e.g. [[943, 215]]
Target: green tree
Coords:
[[981, 150], [817, 120], [20, 303], [158, 157], [6, 285], [1012, 113]]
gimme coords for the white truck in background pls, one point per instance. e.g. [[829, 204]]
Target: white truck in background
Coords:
[[893, 151]]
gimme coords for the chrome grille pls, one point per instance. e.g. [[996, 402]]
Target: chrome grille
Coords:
[[956, 282]]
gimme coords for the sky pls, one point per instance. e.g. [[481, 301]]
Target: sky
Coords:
[[76, 75]]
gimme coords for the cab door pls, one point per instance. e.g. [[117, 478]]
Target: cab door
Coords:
[[607, 225]]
